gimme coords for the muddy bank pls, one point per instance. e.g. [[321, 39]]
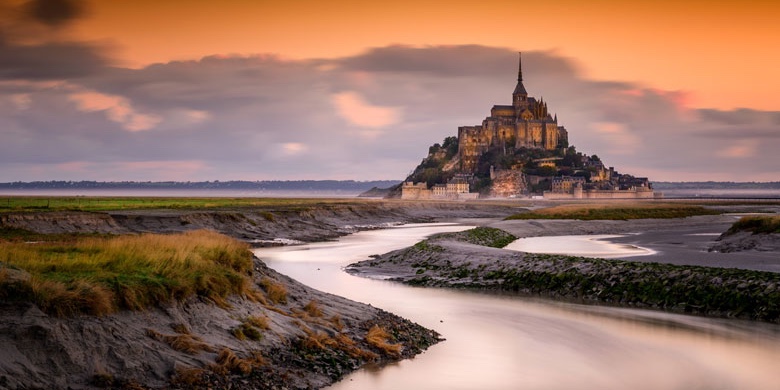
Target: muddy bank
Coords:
[[261, 225], [293, 337], [453, 260], [302, 338], [747, 241]]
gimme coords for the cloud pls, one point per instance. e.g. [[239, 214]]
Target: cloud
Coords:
[[117, 109], [293, 148], [21, 101], [55, 12], [50, 61], [741, 149], [366, 116], [617, 137], [33, 46], [352, 107]]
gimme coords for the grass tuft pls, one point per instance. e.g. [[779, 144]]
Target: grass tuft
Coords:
[[276, 291], [378, 336], [100, 275], [317, 340], [258, 322], [181, 342], [228, 362], [313, 309]]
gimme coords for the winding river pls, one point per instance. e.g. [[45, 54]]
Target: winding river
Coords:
[[497, 342]]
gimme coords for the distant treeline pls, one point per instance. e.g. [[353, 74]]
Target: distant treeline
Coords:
[[715, 185], [271, 185]]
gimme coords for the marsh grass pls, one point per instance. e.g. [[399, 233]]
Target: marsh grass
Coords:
[[616, 211], [183, 342], [228, 362], [378, 336], [756, 225], [485, 236], [275, 291], [250, 328], [97, 203], [317, 340], [313, 309], [100, 275]]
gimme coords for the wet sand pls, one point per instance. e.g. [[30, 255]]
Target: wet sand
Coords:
[[676, 241]]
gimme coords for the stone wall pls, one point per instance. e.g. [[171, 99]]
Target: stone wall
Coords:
[[508, 183]]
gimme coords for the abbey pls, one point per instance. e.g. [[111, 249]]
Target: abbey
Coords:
[[526, 123]]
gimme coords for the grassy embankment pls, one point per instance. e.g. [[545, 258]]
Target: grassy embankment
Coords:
[[616, 211], [82, 203], [756, 225], [73, 274]]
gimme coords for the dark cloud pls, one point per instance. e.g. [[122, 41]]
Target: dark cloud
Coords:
[[44, 55], [742, 116], [50, 61], [367, 116], [55, 13]]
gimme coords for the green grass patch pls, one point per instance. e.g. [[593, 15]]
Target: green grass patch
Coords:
[[100, 275], [756, 225], [97, 203], [485, 236], [426, 246], [602, 212]]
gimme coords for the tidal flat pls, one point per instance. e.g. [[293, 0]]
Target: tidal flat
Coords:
[[307, 339]]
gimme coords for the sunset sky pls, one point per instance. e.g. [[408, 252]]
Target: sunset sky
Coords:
[[259, 90]]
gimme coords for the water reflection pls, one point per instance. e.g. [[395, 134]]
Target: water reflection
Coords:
[[500, 342], [586, 245]]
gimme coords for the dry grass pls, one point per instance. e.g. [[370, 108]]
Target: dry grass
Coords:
[[313, 309], [258, 322], [756, 225], [337, 323], [346, 344], [275, 291], [229, 362], [317, 340], [189, 377], [181, 342], [377, 337], [101, 275], [250, 328]]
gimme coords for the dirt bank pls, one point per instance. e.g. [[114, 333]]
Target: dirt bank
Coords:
[[302, 223], [305, 339], [450, 260]]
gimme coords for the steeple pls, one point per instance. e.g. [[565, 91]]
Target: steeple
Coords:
[[520, 96], [520, 68]]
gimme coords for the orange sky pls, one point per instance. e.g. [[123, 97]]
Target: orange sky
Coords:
[[721, 53]]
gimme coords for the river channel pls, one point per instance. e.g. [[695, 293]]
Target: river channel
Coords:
[[499, 342]]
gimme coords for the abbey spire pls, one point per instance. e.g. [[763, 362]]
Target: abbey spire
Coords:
[[520, 96]]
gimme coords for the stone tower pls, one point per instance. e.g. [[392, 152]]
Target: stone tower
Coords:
[[520, 95]]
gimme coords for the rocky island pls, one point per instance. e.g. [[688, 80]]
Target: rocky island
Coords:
[[519, 150]]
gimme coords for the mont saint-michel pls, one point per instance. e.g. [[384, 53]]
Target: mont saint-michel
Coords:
[[519, 150]]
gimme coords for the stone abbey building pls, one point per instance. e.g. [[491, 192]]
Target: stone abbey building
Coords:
[[526, 123]]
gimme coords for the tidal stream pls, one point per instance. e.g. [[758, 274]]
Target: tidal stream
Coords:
[[502, 342]]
